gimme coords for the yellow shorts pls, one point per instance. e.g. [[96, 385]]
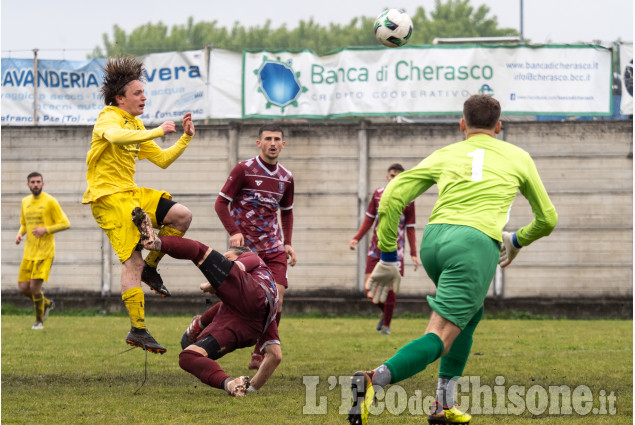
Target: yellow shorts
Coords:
[[35, 269], [113, 213]]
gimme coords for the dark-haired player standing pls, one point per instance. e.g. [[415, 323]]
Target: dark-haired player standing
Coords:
[[257, 189], [40, 217], [406, 227]]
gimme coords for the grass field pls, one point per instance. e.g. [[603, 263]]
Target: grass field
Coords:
[[75, 371]]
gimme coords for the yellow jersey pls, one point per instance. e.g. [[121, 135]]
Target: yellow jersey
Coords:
[[118, 140], [41, 211]]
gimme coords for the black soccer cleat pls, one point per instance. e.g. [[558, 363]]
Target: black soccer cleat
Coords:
[[141, 338], [363, 397], [47, 310], [152, 278]]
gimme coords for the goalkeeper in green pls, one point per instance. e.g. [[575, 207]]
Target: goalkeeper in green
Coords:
[[462, 244]]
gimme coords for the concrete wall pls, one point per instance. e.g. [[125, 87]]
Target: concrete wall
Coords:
[[586, 167]]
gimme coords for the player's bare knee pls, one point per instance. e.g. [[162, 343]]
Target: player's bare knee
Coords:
[[23, 287], [134, 263], [276, 358], [178, 217]]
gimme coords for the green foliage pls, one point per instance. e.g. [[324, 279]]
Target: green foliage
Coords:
[[78, 370], [451, 18]]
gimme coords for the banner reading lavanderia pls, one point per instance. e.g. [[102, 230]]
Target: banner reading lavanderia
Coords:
[[68, 92], [427, 80]]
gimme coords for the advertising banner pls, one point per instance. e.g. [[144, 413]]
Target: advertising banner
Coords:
[[427, 80], [67, 92], [225, 77], [626, 76], [417, 80], [175, 83]]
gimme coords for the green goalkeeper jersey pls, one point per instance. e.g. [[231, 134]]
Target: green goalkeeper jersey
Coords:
[[477, 180]]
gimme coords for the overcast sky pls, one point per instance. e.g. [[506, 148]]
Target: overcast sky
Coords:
[[71, 29]]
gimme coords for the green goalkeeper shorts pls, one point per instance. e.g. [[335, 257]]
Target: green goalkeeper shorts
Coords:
[[461, 261]]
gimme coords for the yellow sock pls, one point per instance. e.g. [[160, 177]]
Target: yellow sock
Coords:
[[38, 304], [154, 257], [133, 299]]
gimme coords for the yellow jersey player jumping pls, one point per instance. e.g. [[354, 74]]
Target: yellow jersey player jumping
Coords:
[[40, 217], [119, 139]]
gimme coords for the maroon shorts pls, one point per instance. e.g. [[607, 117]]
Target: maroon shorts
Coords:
[[277, 263], [241, 318]]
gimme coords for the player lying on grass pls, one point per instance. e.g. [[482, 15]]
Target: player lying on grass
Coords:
[[245, 316]]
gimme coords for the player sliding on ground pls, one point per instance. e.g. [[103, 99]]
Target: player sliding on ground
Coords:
[[245, 316], [477, 179]]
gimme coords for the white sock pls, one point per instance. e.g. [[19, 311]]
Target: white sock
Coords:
[[382, 376]]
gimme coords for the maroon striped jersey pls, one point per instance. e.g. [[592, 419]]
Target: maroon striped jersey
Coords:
[[260, 273], [407, 219], [257, 191]]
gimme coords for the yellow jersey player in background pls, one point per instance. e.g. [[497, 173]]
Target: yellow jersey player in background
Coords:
[[40, 217], [119, 139], [462, 244]]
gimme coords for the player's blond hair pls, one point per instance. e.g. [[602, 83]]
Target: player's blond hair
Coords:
[[118, 72]]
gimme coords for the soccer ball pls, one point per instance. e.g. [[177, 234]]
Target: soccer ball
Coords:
[[393, 28]]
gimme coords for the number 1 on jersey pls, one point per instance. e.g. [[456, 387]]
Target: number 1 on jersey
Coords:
[[477, 164]]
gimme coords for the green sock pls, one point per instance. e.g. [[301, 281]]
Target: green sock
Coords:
[[453, 363], [414, 357]]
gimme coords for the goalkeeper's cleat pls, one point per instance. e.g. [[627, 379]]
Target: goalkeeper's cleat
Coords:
[[149, 239], [37, 325], [255, 362], [447, 415], [192, 332], [152, 278], [142, 338], [363, 397], [237, 387], [47, 309], [385, 330]]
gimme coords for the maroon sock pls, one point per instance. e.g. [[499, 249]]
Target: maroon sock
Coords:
[[183, 248], [208, 316], [204, 368], [389, 307]]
